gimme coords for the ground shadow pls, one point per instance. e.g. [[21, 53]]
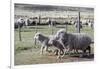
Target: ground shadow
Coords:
[[91, 56]]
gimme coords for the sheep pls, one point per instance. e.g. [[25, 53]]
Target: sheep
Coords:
[[49, 41], [74, 41], [90, 24], [51, 23], [54, 42], [43, 40], [19, 23], [80, 25], [79, 41]]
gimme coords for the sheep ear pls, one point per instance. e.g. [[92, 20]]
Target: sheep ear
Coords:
[[39, 34]]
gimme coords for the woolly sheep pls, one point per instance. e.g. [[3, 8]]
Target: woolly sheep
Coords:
[[58, 45], [43, 40], [76, 41], [49, 41]]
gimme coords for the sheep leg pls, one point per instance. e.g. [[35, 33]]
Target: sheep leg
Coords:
[[63, 47], [76, 51], [84, 53], [89, 49], [42, 47], [69, 49], [56, 52], [63, 53], [59, 53], [46, 48]]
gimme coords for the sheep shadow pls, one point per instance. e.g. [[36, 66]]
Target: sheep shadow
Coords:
[[91, 56]]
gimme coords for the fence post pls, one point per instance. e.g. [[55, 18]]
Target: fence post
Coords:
[[20, 39], [39, 19], [78, 23], [36, 26], [52, 29], [66, 26]]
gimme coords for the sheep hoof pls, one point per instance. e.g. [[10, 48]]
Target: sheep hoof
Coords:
[[58, 57], [62, 56]]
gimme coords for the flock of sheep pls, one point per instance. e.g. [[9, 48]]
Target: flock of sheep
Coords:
[[30, 22], [65, 43]]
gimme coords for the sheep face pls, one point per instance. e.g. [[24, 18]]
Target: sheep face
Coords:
[[60, 32], [37, 36], [51, 41]]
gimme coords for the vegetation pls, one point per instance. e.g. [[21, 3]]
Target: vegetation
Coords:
[[26, 52]]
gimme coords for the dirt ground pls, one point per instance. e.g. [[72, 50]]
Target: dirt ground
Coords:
[[33, 56]]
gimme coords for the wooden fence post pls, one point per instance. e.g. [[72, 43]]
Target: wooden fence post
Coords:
[[36, 26], [52, 29], [78, 23], [20, 39], [39, 19], [66, 26]]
